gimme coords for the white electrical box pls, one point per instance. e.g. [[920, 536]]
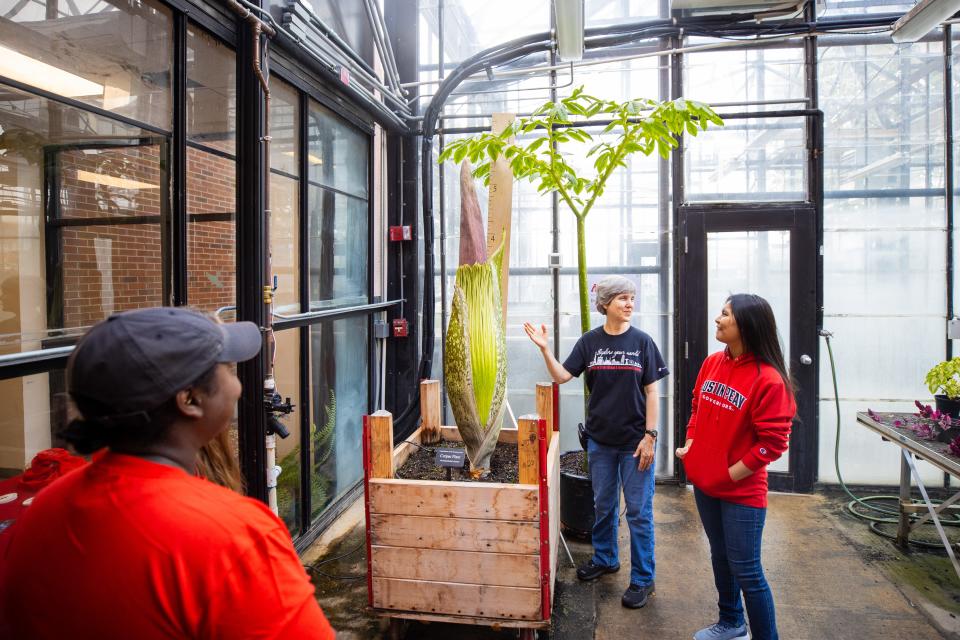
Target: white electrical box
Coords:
[[953, 328]]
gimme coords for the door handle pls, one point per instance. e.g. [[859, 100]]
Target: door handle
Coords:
[[805, 359]]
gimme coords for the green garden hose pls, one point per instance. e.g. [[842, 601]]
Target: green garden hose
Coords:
[[889, 516]]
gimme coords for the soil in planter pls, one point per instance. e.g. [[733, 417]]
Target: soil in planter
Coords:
[[421, 466], [571, 463]]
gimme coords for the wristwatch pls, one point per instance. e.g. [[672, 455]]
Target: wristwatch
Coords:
[[652, 433]]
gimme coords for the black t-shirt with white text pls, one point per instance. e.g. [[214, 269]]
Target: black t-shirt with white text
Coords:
[[618, 368]]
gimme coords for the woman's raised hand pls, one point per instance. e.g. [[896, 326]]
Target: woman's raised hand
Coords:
[[539, 336]]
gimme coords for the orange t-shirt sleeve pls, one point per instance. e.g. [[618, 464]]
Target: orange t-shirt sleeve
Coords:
[[267, 594]]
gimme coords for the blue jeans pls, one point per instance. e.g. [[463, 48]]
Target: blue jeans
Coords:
[[611, 468], [735, 532]]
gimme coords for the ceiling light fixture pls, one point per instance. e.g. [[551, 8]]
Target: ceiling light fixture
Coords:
[[569, 18], [113, 181], [41, 75], [923, 18]]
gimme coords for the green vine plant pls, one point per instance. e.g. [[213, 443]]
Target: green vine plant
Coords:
[[636, 126], [945, 377]]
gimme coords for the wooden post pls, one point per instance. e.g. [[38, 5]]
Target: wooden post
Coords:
[[430, 411], [381, 444], [545, 406], [528, 450]]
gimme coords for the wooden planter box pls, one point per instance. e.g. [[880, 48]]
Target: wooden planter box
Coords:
[[468, 552]]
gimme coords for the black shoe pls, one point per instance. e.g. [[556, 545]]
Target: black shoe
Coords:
[[636, 596], [590, 571]]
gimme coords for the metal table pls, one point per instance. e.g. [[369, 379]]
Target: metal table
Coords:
[[937, 454]]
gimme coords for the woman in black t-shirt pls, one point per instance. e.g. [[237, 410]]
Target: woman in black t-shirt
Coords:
[[622, 366]]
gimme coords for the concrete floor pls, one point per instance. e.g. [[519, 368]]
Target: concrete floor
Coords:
[[831, 578]]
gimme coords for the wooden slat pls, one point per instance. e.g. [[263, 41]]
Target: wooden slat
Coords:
[[508, 435], [497, 536], [381, 444], [528, 450], [490, 622], [464, 567], [483, 500], [545, 405], [430, 411], [404, 450], [553, 482], [457, 599]]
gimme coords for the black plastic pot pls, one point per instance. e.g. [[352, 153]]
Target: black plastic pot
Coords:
[[576, 504], [949, 406], [949, 435]]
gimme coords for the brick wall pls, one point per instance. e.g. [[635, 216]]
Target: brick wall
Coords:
[[118, 266], [211, 244], [114, 267]]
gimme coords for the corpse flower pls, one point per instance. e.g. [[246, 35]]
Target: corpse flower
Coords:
[[475, 353]]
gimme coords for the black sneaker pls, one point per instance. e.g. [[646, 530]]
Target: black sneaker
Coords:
[[591, 571], [636, 596]]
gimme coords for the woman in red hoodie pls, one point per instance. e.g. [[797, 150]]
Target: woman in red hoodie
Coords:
[[743, 406]]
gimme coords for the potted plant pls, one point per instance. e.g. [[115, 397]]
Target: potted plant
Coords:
[[943, 380], [638, 125]]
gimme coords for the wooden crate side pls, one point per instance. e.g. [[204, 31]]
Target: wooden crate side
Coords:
[[404, 450], [495, 536], [482, 500], [451, 598], [553, 484], [464, 567]]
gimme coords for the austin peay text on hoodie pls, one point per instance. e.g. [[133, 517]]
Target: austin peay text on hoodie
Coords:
[[719, 391]]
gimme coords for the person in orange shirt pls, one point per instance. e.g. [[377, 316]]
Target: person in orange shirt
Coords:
[[135, 545]]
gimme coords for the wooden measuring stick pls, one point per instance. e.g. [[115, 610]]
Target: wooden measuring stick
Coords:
[[545, 406], [500, 207]]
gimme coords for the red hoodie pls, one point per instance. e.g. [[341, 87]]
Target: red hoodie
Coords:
[[742, 411]]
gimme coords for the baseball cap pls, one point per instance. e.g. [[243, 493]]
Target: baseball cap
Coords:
[[135, 361]]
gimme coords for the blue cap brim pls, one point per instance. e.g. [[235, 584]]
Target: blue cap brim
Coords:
[[241, 341]]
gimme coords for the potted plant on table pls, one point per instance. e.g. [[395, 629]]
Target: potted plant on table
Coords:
[[943, 380], [639, 125]]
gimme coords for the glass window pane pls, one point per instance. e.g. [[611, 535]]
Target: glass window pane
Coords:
[[211, 92], [338, 153], [211, 231], [340, 390], [338, 227], [748, 160], [104, 241], [116, 56], [755, 262], [33, 410], [284, 128], [287, 374], [285, 196], [745, 75], [885, 130], [110, 185], [285, 243]]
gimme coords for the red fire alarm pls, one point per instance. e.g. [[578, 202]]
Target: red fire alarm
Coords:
[[399, 233], [400, 328]]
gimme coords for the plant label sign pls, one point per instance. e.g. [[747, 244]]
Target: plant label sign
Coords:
[[453, 458]]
